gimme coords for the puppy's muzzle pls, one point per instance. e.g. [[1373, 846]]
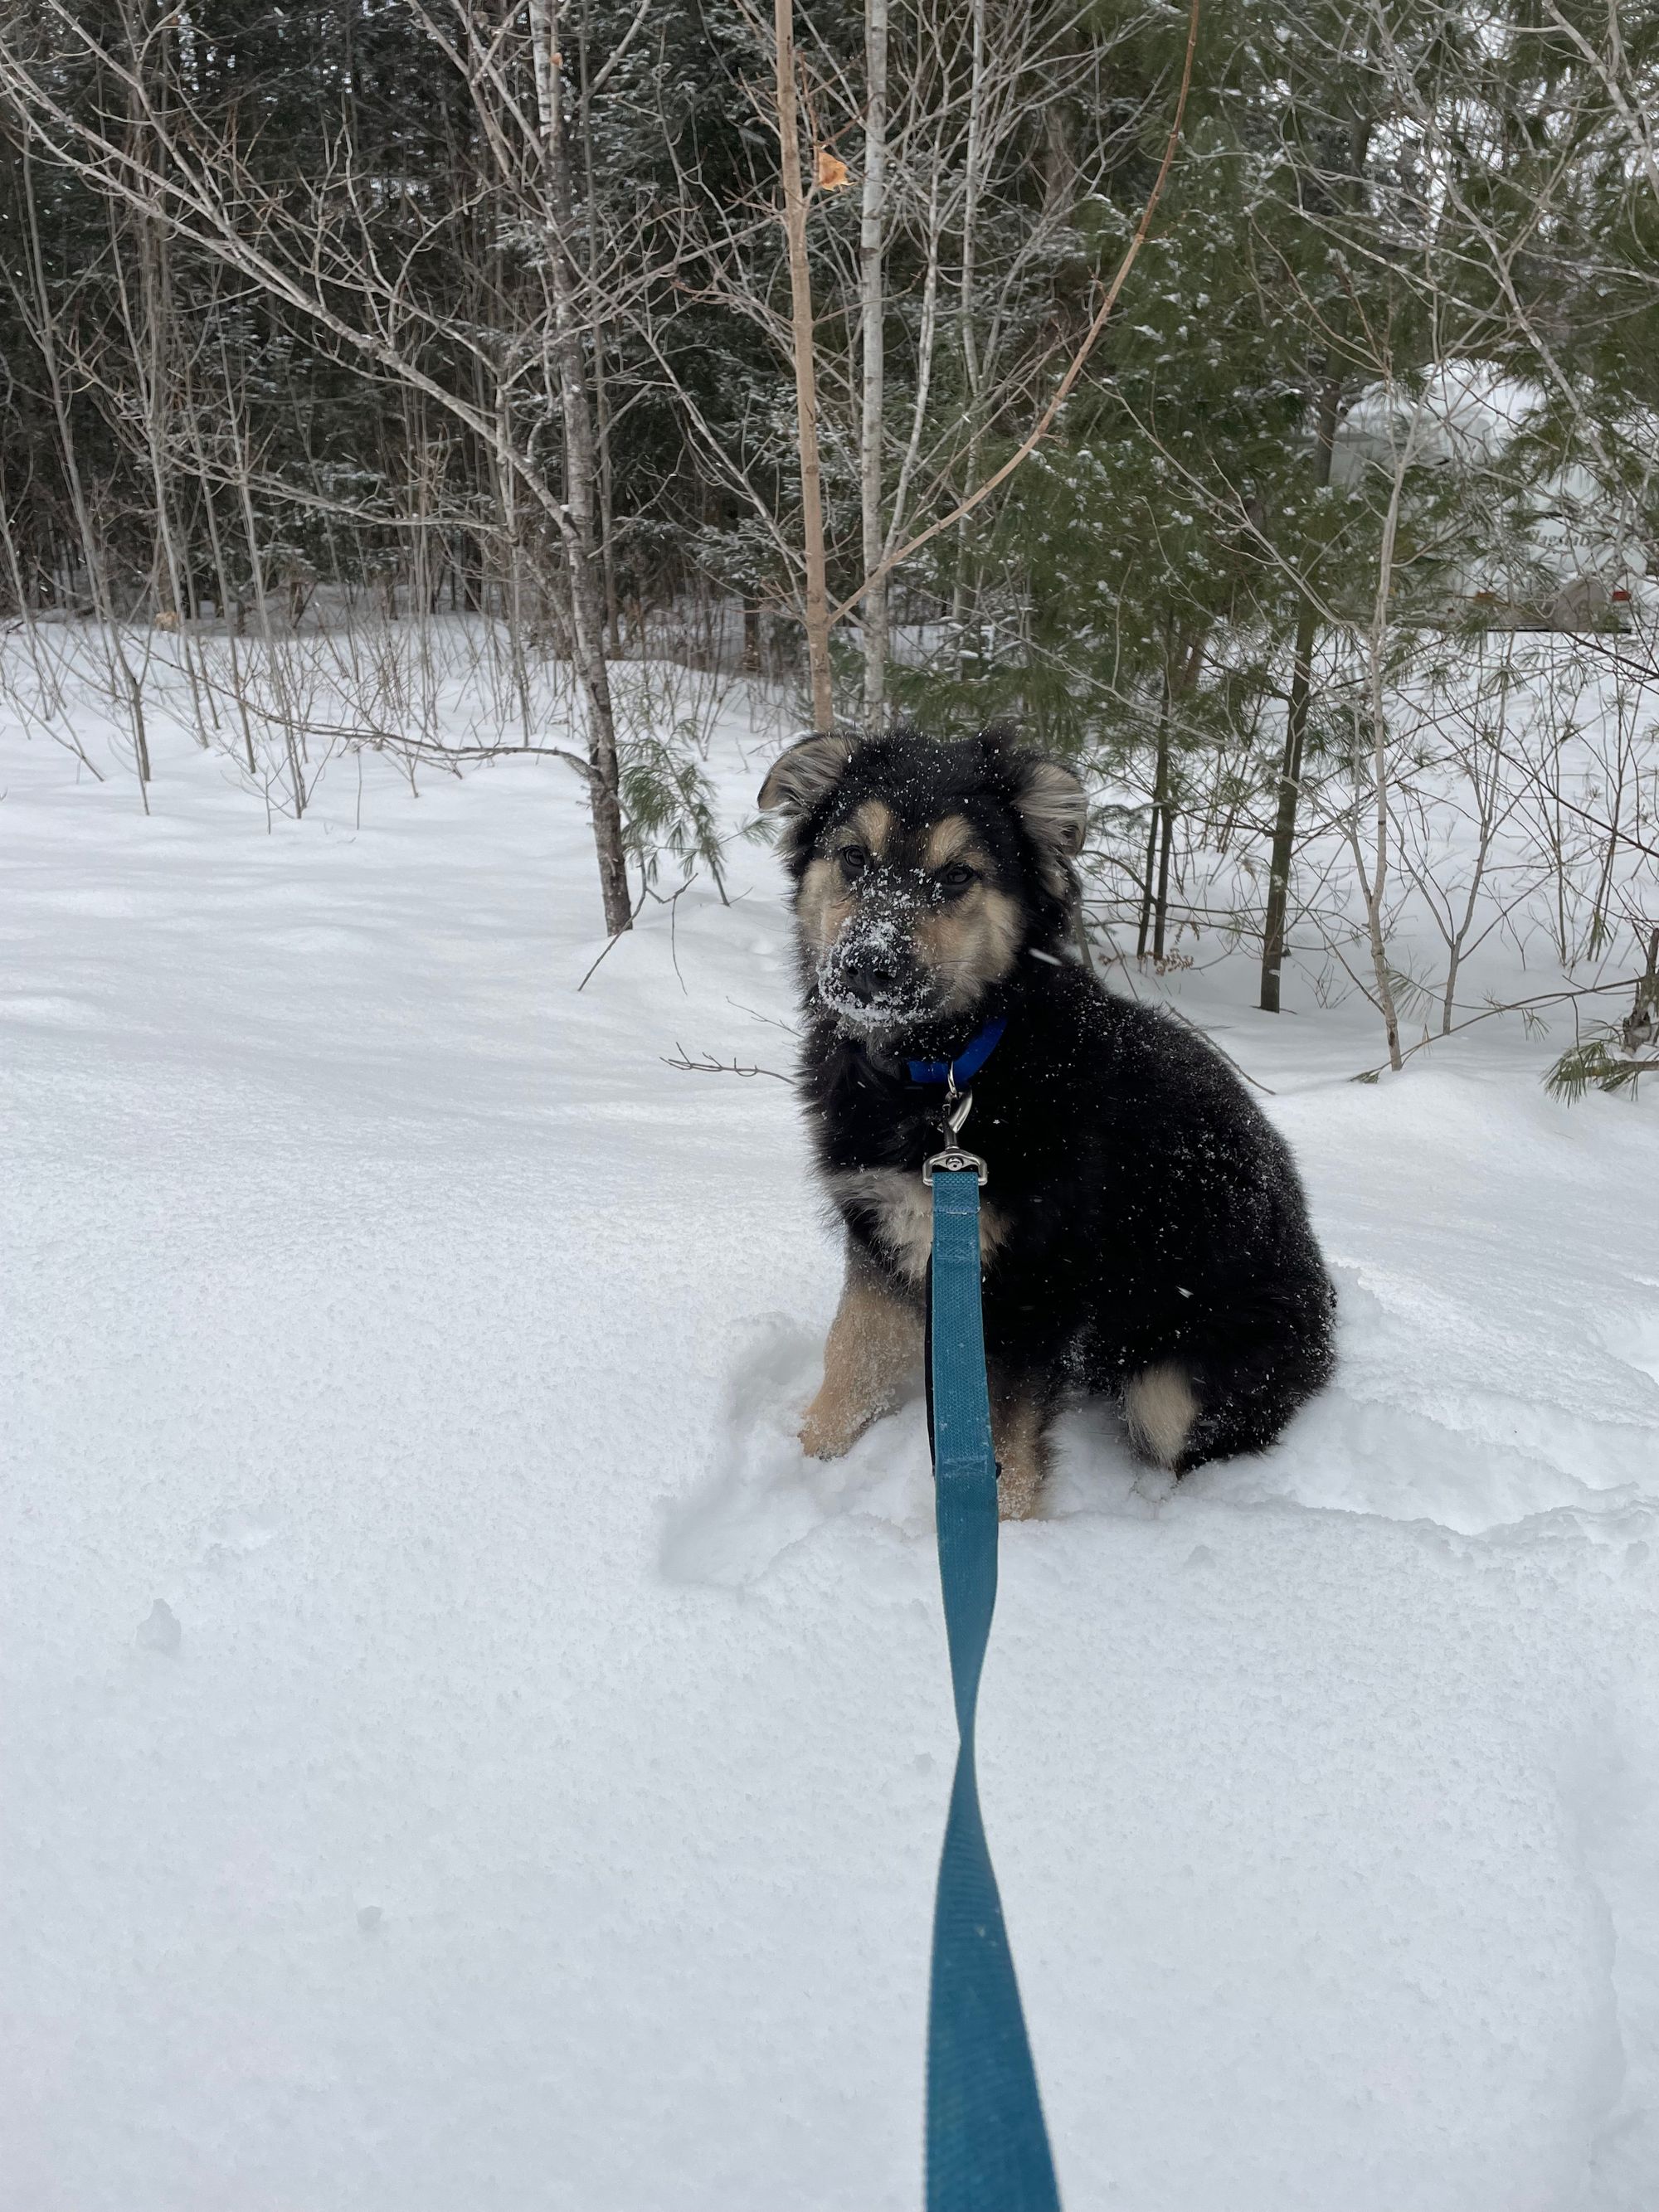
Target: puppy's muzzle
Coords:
[[871, 976], [870, 981]]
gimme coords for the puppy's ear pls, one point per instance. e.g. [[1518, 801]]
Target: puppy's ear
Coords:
[[1052, 803], [804, 775]]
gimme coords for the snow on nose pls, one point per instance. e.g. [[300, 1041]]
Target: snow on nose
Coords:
[[869, 972]]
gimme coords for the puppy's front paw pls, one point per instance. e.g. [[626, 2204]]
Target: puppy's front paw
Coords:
[[1018, 1491], [829, 1432]]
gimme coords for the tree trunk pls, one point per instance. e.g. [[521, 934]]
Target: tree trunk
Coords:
[[577, 517], [1162, 912], [1296, 730], [601, 394], [122, 682], [1296, 720], [1374, 883], [1160, 809], [806, 397], [154, 346], [872, 216], [962, 590]]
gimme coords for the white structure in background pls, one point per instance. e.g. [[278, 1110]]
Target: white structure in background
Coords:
[[1565, 551]]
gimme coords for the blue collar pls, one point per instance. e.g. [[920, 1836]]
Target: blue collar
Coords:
[[967, 1064]]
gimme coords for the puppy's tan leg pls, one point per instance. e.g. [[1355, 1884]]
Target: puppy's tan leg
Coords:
[[874, 1344], [1020, 1415]]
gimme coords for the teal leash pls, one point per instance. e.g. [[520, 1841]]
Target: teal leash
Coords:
[[988, 2148]]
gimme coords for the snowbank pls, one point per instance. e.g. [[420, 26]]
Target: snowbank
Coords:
[[534, 1802]]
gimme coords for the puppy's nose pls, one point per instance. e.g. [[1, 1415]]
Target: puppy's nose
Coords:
[[869, 979]]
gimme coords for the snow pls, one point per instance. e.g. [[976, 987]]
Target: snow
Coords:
[[1468, 415], [458, 1755], [1460, 411]]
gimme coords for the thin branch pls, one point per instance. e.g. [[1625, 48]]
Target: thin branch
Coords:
[[709, 1066], [1079, 359]]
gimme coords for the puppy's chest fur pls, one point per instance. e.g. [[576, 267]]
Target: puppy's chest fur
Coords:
[[872, 1139], [895, 1208]]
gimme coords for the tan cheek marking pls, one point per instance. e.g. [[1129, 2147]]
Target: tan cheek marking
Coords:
[[938, 937], [1002, 919], [822, 906], [973, 942]]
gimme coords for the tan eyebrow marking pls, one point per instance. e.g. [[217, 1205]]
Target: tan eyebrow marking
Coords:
[[953, 839], [873, 822]]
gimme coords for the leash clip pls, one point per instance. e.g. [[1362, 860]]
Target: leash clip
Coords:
[[953, 1161], [958, 1104]]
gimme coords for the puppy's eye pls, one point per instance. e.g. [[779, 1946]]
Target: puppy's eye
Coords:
[[853, 860], [955, 879]]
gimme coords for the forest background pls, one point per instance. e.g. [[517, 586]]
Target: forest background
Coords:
[[1256, 404]]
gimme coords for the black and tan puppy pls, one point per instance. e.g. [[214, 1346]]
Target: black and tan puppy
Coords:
[[1144, 1231]]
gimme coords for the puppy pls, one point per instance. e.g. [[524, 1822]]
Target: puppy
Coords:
[[1144, 1232]]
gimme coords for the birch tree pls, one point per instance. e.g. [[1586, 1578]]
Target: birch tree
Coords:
[[312, 250]]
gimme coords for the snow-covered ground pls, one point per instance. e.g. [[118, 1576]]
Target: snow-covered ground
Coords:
[[457, 1756]]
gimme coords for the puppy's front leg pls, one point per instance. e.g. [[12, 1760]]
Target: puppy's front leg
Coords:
[[1021, 1409], [874, 1344]]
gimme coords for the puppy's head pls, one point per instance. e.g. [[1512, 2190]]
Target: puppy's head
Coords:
[[922, 871]]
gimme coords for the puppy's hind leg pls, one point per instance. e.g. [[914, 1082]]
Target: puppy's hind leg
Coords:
[[1221, 1400], [1161, 1406], [874, 1344], [1233, 1388]]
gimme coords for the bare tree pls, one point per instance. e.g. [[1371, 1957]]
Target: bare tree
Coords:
[[578, 510], [873, 307], [803, 348], [312, 250]]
